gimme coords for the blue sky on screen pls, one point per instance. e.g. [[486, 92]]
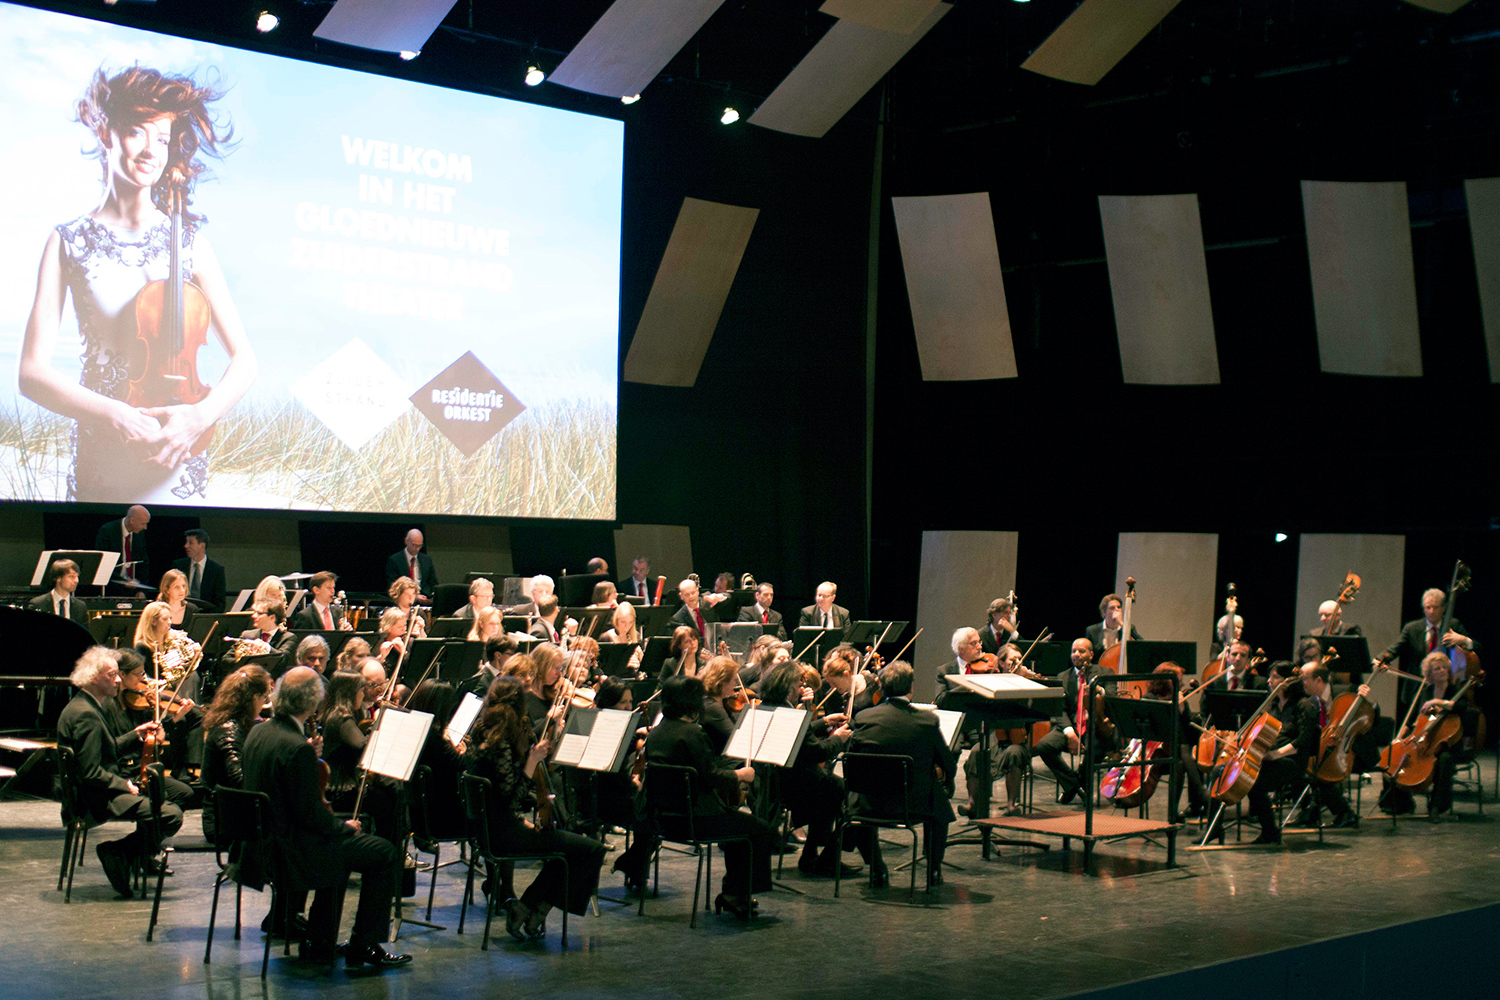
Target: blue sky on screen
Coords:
[[549, 179]]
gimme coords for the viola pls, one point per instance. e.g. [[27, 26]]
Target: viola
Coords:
[[171, 320], [150, 700]]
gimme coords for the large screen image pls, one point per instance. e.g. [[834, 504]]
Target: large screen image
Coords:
[[230, 279]]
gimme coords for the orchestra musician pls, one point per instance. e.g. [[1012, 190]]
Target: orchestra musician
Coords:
[[270, 588], [1001, 627], [546, 625], [352, 654], [1331, 621], [1105, 634], [720, 685], [507, 753], [93, 728], [1162, 689], [895, 727], [207, 583], [343, 708], [1420, 637], [280, 761], [542, 586], [850, 695], [1236, 675], [164, 648], [1397, 800], [488, 624], [127, 536], [603, 595], [1217, 645], [63, 599], [269, 619], [525, 668], [404, 594], [481, 596], [236, 707], [312, 652], [824, 612], [765, 652], [180, 718], [319, 612], [414, 564], [636, 584], [598, 564], [691, 612], [173, 593], [761, 611], [496, 652], [684, 654], [622, 625], [445, 761], [393, 636]]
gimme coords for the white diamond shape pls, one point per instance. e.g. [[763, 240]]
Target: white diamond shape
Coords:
[[354, 393]]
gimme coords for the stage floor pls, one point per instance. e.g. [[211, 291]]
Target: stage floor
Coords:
[[1024, 924]]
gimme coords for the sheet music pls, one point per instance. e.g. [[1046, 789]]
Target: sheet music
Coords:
[[463, 719], [948, 722], [396, 742], [609, 731], [571, 749], [781, 736], [1004, 687], [740, 745]]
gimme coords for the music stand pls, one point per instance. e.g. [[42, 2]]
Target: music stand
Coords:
[[459, 664], [655, 652], [872, 632], [599, 617], [115, 631], [1145, 655], [614, 659], [94, 567], [739, 635], [1230, 709], [450, 628], [1051, 658], [816, 641], [1351, 650], [654, 620]]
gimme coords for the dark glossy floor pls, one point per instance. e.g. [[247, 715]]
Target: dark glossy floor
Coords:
[[1025, 924]]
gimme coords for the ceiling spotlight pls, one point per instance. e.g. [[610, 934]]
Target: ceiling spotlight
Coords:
[[1281, 536], [534, 76], [729, 117], [407, 55], [631, 99], [266, 22]]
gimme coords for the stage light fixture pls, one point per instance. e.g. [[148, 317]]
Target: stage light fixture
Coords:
[[407, 55], [1281, 536], [631, 99], [729, 117], [534, 76], [266, 22]]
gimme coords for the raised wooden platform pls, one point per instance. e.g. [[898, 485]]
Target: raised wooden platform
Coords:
[[1106, 826]]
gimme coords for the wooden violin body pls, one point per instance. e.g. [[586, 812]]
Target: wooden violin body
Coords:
[[1352, 715]]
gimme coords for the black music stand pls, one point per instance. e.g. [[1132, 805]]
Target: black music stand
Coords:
[[1230, 709], [740, 636], [592, 622], [516, 623], [655, 652], [450, 628], [1050, 658], [92, 568], [654, 620], [614, 659], [1145, 655], [815, 641], [1351, 651], [1150, 721], [876, 632], [577, 589], [459, 664], [115, 631]]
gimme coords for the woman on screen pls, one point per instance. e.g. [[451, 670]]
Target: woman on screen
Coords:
[[149, 129]]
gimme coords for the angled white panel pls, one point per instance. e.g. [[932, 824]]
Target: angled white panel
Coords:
[[887, 15], [692, 283], [962, 572], [630, 44], [1174, 586], [847, 61], [384, 25], [954, 284], [1483, 197], [1095, 37], [669, 547], [1364, 289], [1158, 278], [1380, 561]]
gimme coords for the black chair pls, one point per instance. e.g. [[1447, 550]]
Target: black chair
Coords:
[[670, 793], [876, 774], [75, 818], [428, 835], [476, 792], [239, 823], [156, 794]]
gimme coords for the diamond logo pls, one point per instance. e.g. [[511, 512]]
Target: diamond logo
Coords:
[[354, 393], [467, 403]]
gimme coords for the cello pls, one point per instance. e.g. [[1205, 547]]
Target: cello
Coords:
[[1352, 714], [1412, 761], [171, 321], [1238, 765]]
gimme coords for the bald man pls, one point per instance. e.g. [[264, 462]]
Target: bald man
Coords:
[[127, 536], [413, 562]]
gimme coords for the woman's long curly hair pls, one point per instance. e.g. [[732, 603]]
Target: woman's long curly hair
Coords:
[[236, 696], [137, 95], [503, 718]]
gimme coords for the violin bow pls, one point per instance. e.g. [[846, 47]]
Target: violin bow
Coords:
[[907, 646]]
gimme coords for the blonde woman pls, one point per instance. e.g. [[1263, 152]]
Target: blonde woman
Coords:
[[622, 625], [173, 593], [487, 625]]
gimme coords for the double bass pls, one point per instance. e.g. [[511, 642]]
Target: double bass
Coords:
[[1214, 667]]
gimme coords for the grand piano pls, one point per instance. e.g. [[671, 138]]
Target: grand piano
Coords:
[[40, 650]]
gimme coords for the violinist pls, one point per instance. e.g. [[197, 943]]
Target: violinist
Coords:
[[344, 742], [968, 650], [1331, 621], [236, 707], [765, 652], [1105, 634], [488, 624], [684, 655], [1397, 800], [720, 687], [269, 620], [138, 700], [93, 728], [851, 693], [1002, 626], [496, 653], [507, 753], [444, 760], [622, 625], [352, 654]]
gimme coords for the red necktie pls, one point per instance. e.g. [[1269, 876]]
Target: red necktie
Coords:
[[327, 619], [130, 573], [1234, 683], [1082, 713], [265, 637], [412, 572], [1322, 714], [765, 617], [702, 628], [1432, 638]]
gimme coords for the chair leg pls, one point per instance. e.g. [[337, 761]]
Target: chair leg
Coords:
[[463, 901], [161, 876], [213, 914], [238, 894], [489, 915], [62, 869], [286, 925], [697, 883], [914, 835], [265, 955], [437, 853], [708, 861], [73, 862], [838, 838], [566, 877]]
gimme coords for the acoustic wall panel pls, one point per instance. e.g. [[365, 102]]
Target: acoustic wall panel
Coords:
[[668, 546], [888, 15], [1483, 197], [477, 546], [1174, 586], [692, 283], [254, 548], [1095, 37], [630, 44], [1364, 289], [1440, 6], [953, 282], [1380, 561], [962, 571], [384, 25], [1158, 278], [847, 61]]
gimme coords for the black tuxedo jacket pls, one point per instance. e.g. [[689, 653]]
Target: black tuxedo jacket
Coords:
[[95, 733], [811, 617], [77, 609], [1251, 682], [1095, 634], [278, 760], [212, 588], [397, 565], [684, 616], [987, 643], [752, 614], [1344, 629], [685, 744], [895, 727], [627, 586], [306, 619], [108, 540], [283, 641], [1411, 647]]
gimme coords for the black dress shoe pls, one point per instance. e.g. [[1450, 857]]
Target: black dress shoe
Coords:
[[1068, 796], [879, 877], [1345, 820], [935, 876], [1267, 838], [375, 956], [845, 870], [299, 927], [116, 865]]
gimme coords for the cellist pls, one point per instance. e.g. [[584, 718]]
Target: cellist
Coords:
[[1397, 800]]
